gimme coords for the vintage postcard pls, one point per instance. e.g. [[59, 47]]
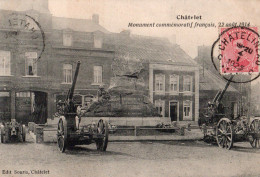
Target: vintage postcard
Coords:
[[136, 88]]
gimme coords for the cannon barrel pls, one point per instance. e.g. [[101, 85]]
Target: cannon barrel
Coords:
[[217, 96], [220, 95], [71, 90]]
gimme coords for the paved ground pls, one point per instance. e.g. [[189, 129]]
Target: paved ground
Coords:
[[175, 158]]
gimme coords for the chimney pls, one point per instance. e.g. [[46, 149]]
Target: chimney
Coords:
[[95, 18]]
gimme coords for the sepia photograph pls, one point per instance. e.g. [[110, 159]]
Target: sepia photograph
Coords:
[[129, 88]]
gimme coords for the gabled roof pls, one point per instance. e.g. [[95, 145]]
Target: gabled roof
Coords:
[[210, 81], [83, 25], [152, 49]]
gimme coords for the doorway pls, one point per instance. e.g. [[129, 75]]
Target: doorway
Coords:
[[31, 107], [174, 110]]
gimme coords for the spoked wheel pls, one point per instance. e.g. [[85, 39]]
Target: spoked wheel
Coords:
[[224, 133], [2, 134], [254, 132], [62, 134], [102, 128]]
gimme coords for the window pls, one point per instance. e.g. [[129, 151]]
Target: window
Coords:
[[159, 83], [5, 63], [187, 112], [67, 73], [31, 64], [98, 74], [98, 41], [187, 83], [67, 39], [23, 94], [159, 104], [174, 83]]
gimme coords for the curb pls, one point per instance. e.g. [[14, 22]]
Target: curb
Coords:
[[50, 138], [152, 138], [142, 138]]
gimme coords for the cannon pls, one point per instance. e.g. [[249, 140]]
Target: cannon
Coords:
[[224, 129], [12, 131], [69, 131]]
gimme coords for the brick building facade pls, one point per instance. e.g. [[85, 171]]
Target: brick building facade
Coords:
[[38, 61], [39, 52], [174, 89]]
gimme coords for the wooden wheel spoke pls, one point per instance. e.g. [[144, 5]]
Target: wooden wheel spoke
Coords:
[[223, 142], [229, 138], [252, 142], [221, 127], [256, 142], [252, 127], [220, 140], [256, 124], [229, 128], [225, 125], [59, 132], [221, 131]]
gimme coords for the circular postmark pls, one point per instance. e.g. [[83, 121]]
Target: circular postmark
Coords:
[[25, 30], [238, 54]]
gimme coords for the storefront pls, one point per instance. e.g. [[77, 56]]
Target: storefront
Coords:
[[31, 106], [5, 106]]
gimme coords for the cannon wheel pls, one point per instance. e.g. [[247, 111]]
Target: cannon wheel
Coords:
[[2, 134], [62, 134], [102, 128], [23, 133], [224, 133], [254, 131]]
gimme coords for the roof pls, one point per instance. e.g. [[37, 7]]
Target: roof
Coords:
[[211, 81], [83, 25], [152, 49]]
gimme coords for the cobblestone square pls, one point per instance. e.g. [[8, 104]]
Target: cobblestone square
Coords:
[[146, 158]]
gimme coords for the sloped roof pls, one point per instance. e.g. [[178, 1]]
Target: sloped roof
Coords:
[[210, 81], [83, 25], [151, 49]]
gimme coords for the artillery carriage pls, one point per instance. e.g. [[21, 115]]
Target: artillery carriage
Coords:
[[69, 131], [226, 130], [11, 131]]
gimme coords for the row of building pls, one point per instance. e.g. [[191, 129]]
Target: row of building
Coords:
[[39, 52]]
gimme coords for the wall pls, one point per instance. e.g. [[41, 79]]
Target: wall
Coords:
[[50, 66], [181, 96]]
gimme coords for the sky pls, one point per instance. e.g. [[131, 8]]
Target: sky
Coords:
[[115, 15]]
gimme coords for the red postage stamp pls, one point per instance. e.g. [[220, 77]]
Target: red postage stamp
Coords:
[[239, 50]]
